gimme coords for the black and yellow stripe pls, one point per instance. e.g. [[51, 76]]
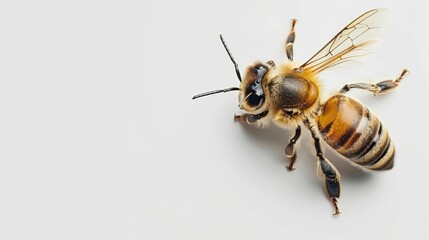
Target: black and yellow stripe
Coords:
[[357, 134]]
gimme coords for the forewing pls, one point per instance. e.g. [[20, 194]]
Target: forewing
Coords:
[[351, 43]]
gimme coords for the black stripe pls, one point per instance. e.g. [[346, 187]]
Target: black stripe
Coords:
[[326, 129], [378, 158], [380, 131], [346, 136], [389, 164], [364, 147]]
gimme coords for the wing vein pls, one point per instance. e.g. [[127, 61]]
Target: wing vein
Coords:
[[355, 37]]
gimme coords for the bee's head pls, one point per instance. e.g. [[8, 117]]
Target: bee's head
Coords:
[[252, 96]]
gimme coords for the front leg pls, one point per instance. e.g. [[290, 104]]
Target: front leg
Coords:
[[326, 171], [257, 120]]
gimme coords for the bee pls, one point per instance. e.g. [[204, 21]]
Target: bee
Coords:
[[289, 95]]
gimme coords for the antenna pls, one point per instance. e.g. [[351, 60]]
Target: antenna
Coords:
[[237, 71], [215, 92]]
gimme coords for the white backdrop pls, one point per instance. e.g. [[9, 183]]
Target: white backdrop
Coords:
[[99, 137]]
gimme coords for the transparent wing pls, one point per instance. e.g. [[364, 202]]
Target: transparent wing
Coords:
[[351, 43]]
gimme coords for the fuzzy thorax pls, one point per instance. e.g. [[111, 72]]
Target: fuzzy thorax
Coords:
[[293, 94]]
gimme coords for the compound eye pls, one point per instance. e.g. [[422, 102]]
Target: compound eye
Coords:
[[259, 68], [254, 93]]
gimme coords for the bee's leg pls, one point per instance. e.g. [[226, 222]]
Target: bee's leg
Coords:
[[258, 120], [290, 40], [326, 171], [388, 85], [290, 149], [379, 88]]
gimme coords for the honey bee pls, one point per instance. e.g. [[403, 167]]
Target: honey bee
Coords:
[[289, 95]]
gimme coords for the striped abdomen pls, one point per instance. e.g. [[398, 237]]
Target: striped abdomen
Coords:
[[357, 134]]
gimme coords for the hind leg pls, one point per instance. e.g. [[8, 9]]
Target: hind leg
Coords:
[[379, 88], [326, 171]]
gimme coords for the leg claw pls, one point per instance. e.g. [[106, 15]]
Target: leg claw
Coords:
[[290, 168]]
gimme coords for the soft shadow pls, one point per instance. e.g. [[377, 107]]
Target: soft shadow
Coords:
[[346, 169], [274, 140], [271, 139]]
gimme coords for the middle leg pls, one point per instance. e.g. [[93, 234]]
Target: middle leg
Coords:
[[290, 149]]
